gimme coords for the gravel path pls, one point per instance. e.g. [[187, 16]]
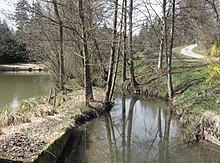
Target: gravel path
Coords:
[[188, 52]]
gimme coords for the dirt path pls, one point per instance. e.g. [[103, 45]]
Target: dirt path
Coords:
[[187, 51]]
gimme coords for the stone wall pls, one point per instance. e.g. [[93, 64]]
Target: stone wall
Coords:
[[210, 127]]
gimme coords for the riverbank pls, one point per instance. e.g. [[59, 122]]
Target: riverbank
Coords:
[[35, 125], [22, 67], [193, 96]]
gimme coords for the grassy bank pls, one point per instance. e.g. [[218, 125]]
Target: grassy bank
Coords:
[[193, 96], [198, 50], [36, 123]]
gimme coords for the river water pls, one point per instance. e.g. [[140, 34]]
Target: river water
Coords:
[[136, 131], [18, 86]]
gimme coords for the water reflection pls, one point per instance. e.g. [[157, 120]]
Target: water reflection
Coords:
[[14, 102], [136, 131], [18, 86]]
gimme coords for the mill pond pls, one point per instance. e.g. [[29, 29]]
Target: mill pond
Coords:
[[137, 129], [16, 86]]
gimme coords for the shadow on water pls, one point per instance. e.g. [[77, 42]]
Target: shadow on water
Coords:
[[75, 148], [136, 131]]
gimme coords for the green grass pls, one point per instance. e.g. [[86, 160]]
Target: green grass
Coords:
[[72, 85], [200, 51], [33, 107], [193, 95], [178, 49]]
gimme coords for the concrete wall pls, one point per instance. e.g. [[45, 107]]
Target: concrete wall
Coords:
[[210, 127]]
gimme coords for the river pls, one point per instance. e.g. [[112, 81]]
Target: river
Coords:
[[136, 131], [17, 86]]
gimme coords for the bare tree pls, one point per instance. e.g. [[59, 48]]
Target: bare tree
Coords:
[[130, 45], [163, 36], [125, 41], [112, 54], [118, 50], [170, 53], [87, 78], [61, 60]]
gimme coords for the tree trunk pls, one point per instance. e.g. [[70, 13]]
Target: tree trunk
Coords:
[[169, 59], [117, 54], [87, 76], [61, 60], [163, 37], [125, 42], [130, 45], [112, 55]]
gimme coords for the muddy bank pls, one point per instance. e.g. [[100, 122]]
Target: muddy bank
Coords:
[[43, 138]]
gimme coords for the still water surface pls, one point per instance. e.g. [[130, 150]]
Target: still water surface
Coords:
[[136, 131], [17, 86]]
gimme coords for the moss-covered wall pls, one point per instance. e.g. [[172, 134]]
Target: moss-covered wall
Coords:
[[51, 153]]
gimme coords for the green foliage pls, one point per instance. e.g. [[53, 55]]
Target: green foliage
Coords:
[[189, 134], [72, 84], [147, 51], [11, 50], [198, 50], [215, 48], [214, 66]]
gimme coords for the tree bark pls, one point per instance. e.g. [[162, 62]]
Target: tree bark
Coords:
[[61, 60], [112, 54], [163, 37], [125, 41], [87, 76], [169, 58], [117, 54], [130, 45]]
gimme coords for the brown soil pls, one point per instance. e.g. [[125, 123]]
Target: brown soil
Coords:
[[17, 146]]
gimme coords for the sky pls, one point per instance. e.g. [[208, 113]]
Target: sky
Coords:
[[7, 8]]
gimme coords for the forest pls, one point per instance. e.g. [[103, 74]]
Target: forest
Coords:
[[11, 50], [94, 41]]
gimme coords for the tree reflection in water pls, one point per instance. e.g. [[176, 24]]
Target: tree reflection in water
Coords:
[[135, 131], [128, 146]]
